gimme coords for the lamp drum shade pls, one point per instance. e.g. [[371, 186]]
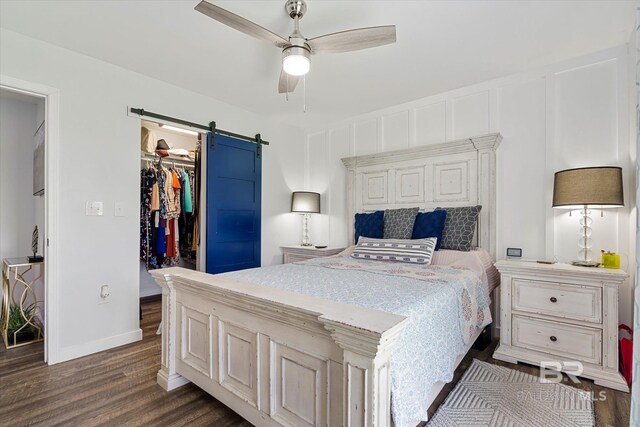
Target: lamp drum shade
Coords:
[[305, 202], [594, 186]]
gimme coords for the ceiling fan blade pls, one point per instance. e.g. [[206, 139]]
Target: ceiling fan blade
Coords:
[[239, 23], [350, 40], [287, 82]]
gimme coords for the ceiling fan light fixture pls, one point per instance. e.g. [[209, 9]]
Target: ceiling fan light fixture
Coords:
[[297, 49], [296, 60]]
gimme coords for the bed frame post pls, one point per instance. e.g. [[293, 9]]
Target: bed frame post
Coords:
[[167, 377], [366, 374], [487, 146]]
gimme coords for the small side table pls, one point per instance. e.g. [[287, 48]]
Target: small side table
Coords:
[[303, 253], [17, 296], [560, 312]]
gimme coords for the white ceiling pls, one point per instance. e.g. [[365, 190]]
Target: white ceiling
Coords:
[[441, 45]]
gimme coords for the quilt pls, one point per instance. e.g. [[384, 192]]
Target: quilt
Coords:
[[445, 307]]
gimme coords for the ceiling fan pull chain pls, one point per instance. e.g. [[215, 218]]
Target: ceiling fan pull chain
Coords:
[[286, 93], [304, 94]]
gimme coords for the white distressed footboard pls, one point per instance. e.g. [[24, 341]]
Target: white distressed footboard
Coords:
[[276, 357]]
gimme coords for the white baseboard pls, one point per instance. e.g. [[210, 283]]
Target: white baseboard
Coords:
[[73, 352]]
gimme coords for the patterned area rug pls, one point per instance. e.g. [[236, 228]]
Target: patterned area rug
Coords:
[[490, 395]]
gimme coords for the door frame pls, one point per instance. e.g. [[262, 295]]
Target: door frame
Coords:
[[202, 224], [51, 97]]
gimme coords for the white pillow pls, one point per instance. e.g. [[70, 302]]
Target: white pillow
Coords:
[[418, 251]]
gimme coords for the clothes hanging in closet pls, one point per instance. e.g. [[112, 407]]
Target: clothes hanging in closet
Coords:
[[166, 227]]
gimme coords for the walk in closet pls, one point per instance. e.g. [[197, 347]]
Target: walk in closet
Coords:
[[169, 202]]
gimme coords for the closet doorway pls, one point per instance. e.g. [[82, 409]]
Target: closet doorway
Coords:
[[169, 200], [23, 221]]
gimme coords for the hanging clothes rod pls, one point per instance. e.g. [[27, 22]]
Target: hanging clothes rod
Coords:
[[211, 128], [189, 163], [173, 164]]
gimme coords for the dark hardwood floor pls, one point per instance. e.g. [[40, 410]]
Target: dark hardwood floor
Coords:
[[118, 387]]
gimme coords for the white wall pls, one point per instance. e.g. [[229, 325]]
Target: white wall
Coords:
[[17, 213], [99, 160], [566, 115], [39, 200]]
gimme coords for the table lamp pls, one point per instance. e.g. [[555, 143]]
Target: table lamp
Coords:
[[583, 188], [306, 203]]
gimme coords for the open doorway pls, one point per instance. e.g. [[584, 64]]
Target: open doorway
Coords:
[[169, 205], [22, 220]]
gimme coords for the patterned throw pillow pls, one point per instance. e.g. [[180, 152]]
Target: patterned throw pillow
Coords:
[[369, 225], [459, 227], [430, 224], [398, 223], [418, 251]]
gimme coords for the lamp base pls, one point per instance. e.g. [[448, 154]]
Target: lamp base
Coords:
[[585, 263]]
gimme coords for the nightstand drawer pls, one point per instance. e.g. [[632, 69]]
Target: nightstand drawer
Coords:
[[560, 339], [556, 299], [297, 258], [303, 253]]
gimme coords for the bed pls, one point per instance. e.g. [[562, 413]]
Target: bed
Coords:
[[344, 347]]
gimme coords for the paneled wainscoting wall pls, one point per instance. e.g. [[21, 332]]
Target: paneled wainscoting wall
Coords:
[[571, 114]]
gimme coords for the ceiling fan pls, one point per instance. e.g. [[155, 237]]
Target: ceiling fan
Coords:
[[297, 50]]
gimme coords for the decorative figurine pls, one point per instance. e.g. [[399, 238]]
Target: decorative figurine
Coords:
[[34, 247]]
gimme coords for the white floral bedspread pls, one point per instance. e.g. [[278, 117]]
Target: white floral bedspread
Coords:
[[445, 306]]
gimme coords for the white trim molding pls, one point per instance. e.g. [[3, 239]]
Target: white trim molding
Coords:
[[52, 184], [84, 349]]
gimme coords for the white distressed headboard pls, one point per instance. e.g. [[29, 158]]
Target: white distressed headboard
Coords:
[[449, 174]]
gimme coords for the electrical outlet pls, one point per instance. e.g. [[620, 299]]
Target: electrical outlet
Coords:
[[104, 294]]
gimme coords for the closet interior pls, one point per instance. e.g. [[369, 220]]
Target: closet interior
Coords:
[[169, 202]]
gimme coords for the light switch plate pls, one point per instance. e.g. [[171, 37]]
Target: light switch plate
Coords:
[[119, 209], [94, 209]]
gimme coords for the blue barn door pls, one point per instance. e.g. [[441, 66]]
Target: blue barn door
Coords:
[[234, 185]]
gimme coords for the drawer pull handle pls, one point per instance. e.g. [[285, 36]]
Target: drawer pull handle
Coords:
[[553, 299], [553, 338]]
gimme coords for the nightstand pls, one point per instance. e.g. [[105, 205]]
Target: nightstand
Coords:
[[560, 312], [302, 253]]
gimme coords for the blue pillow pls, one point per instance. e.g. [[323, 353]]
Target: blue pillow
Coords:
[[429, 224], [370, 225]]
